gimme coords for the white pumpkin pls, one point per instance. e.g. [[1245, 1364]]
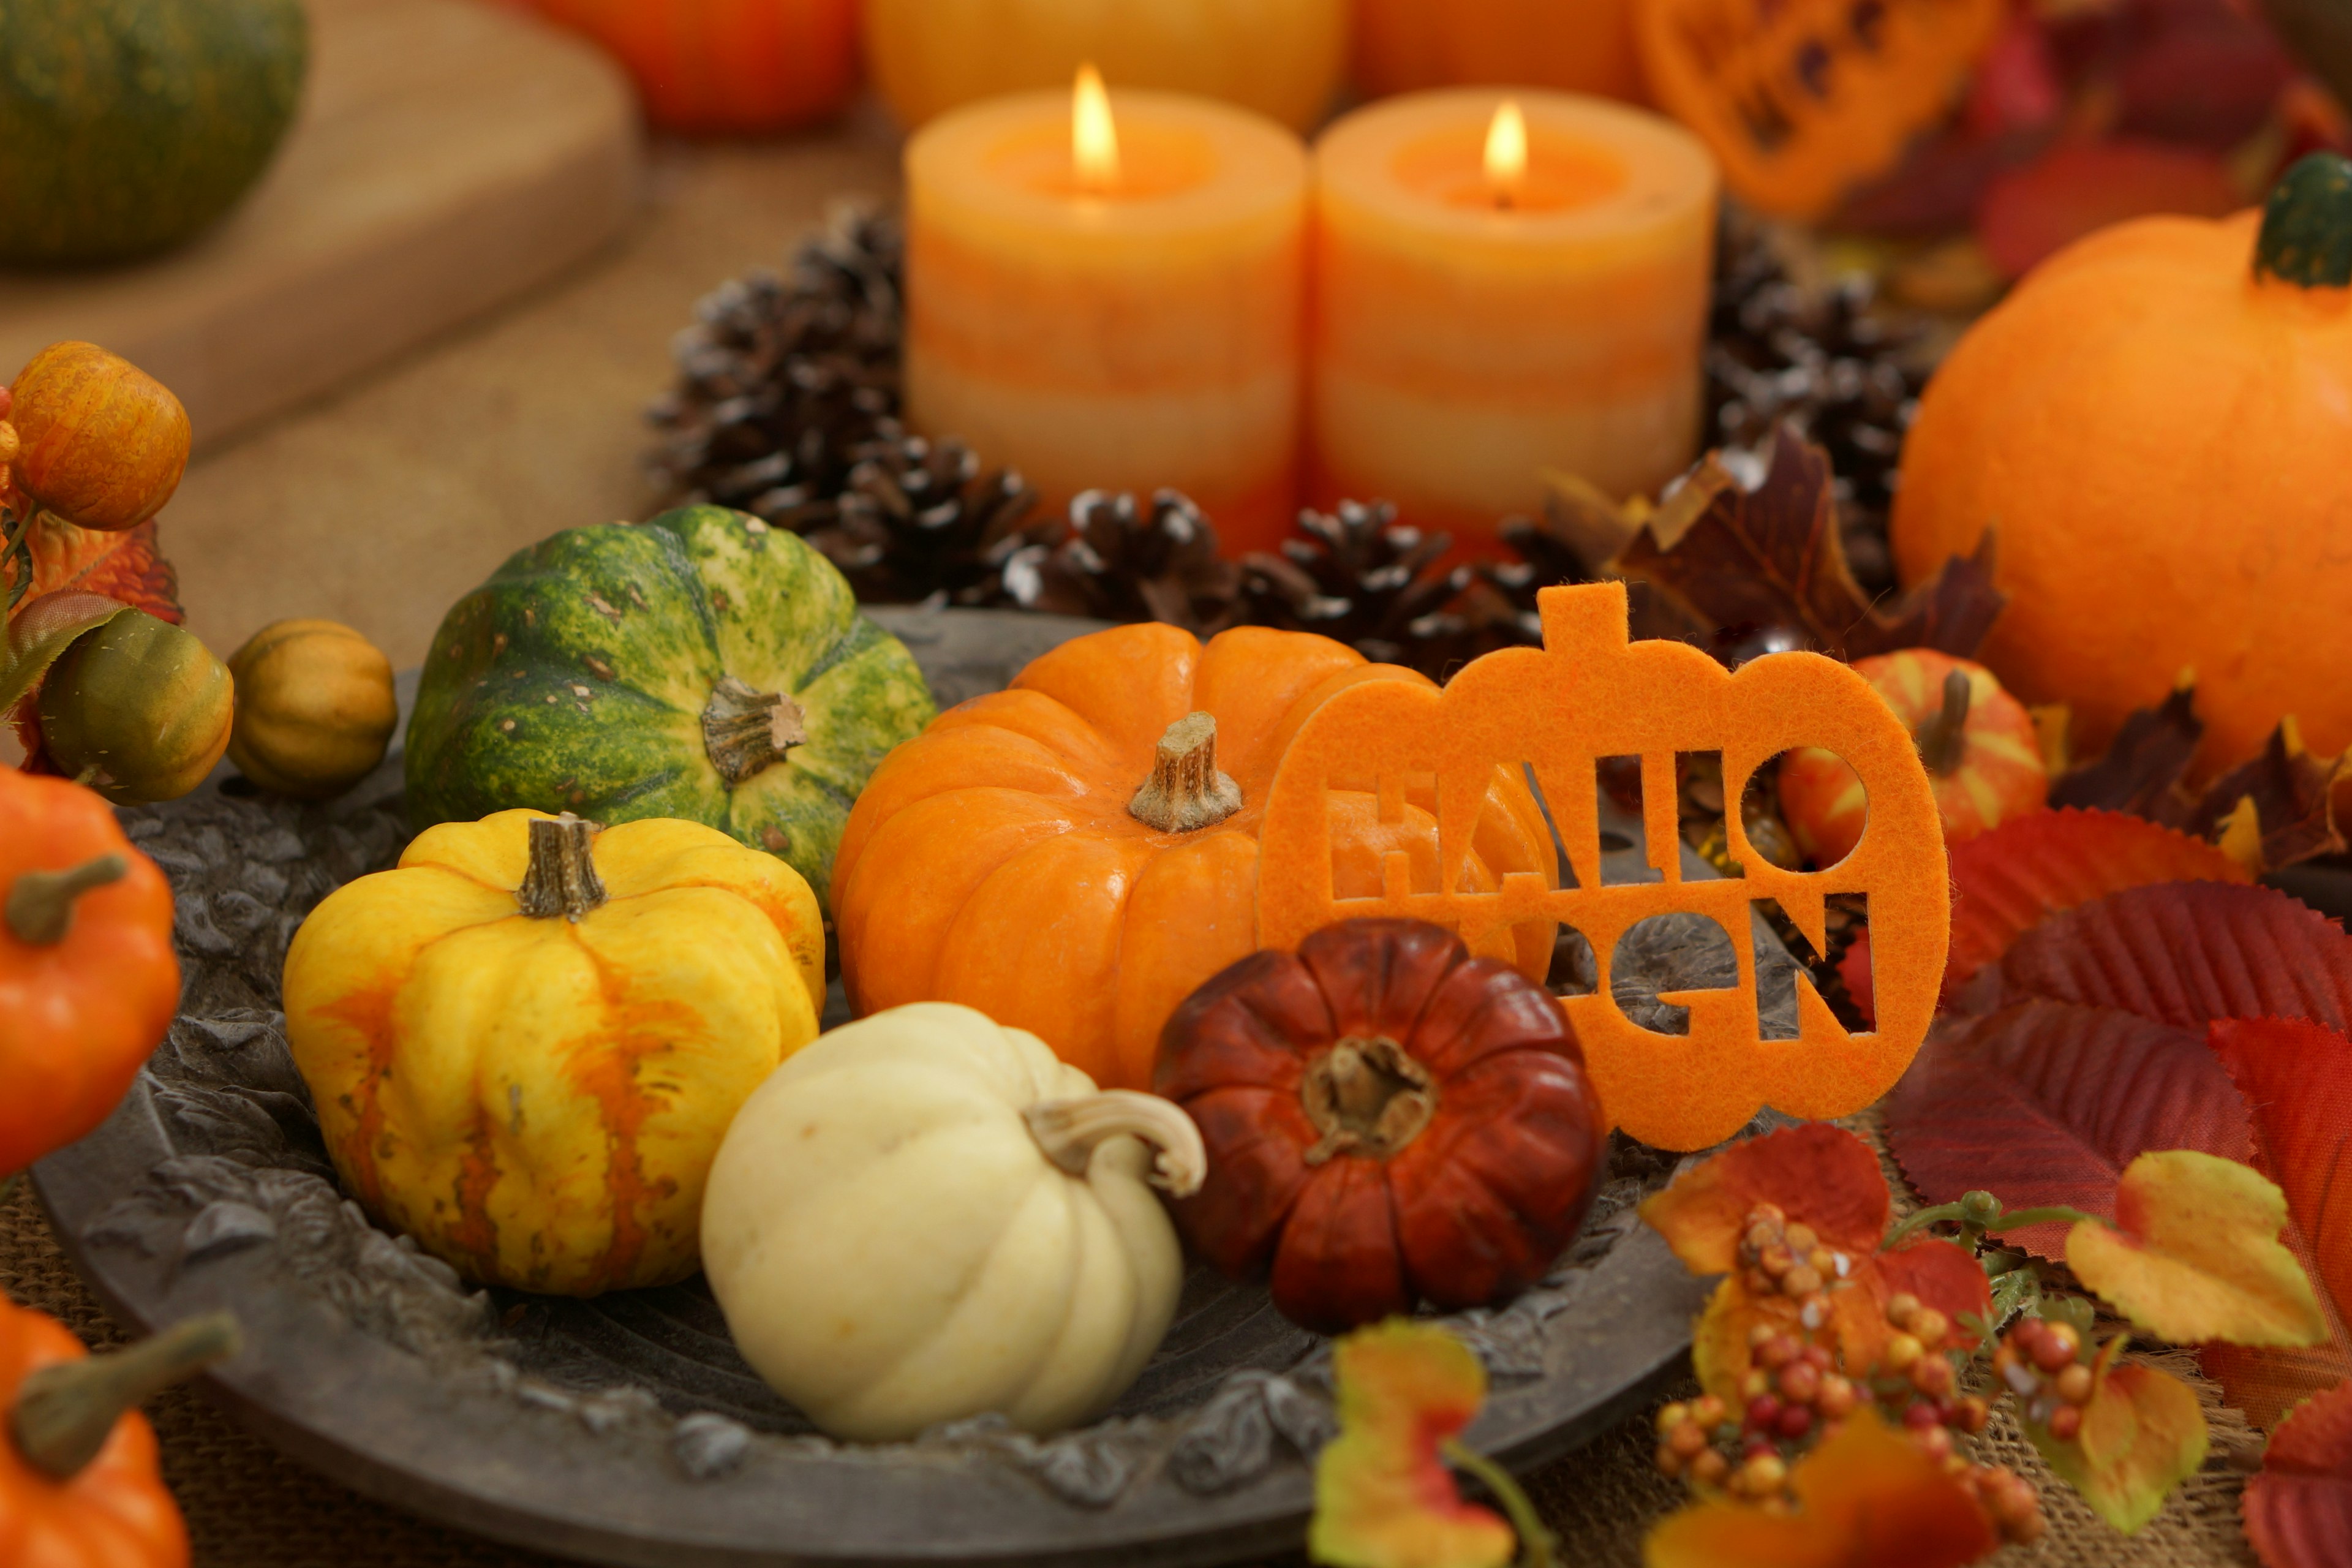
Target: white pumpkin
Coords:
[[924, 1215]]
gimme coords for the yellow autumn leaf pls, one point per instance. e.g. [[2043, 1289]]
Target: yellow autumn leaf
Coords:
[[2143, 1434], [2195, 1255], [1383, 1495]]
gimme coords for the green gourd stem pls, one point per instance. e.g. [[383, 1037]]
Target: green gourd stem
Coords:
[[2306, 233], [1977, 1219], [1535, 1542], [1943, 737], [66, 1410], [40, 907]]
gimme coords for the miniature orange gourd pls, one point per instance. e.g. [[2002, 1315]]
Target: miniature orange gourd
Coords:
[[1073, 856], [100, 442], [725, 66], [88, 981], [2153, 426], [1586, 695], [1977, 740], [78, 1483]]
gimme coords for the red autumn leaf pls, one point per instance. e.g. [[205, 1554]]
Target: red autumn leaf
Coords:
[[1941, 1274], [1816, 1173], [2010, 878], [2298, 1511], [2143, 1434], [1867, 1497], [1383, 1496], [1720, 555], [2031, 212], [125, 566], [2182, 953], [1861, 986], [2297, 1079], [2046, 1103]]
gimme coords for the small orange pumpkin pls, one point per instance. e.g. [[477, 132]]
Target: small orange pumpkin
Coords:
[[87, 980], [78, 1483], [721, 66], [1075, 855], [100, 442], [1983, 759], [2154, 423]]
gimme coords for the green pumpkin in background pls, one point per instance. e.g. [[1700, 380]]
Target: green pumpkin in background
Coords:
[[128, 126], [701, 665]]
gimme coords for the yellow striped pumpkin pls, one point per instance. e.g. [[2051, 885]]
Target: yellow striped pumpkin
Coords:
[[526, 1041]]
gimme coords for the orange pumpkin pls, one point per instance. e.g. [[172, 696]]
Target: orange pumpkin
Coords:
[[1003, 859], [88, 981], [1983, 759], [100, 442], [1577, 46], [2154, 425], [725, 65], [78, 1484]]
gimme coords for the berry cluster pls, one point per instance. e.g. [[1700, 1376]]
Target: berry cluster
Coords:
[[2041, 1363], [1782, 1259]]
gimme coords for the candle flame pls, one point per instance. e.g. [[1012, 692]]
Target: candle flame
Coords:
[[1094, 139], [1507, 152]]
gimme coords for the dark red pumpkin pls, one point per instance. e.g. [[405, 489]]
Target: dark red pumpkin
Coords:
[[1388, 1120]]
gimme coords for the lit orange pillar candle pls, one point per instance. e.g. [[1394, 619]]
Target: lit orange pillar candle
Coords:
[[1501, 286], [1582, 45], [1112, 298]]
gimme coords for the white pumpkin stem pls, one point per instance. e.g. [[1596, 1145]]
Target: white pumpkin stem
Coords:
[[562, 878], [1185, 791], [1068, 1130], [40, 907]]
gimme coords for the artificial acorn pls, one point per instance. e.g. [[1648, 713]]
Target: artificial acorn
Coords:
[[315, 708], [138, 710]]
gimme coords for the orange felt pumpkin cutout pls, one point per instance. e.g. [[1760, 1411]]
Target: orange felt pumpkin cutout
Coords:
[[1804, 100], [1589, 694]]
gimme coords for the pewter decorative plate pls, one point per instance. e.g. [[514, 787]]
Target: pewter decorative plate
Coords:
[[625, 1429]]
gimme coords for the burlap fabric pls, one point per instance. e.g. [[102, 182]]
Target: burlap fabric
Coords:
[[250, 1507]]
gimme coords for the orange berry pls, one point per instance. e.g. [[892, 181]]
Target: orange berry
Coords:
[[1800, 1382], [1836, 1397], [1760, 1237], [1708, 1411], [1760, 1334], [1820, 1357], [1969, 1414], [1756, 1383], [1768, 1214], [1900, 1307], [1776, 1261], [1671, 1417], [1801, 1280], [1901, 1352], [1932, 1376], [1764, 1474], [2003, 1358], [2055, 1349], [2074, 1384], [2066, 1422], [1934, 1441], [1802, 1238], [1708, 1467], [1761, 1283], [1669, 1462], [1928, 1326], [1688, 1438]]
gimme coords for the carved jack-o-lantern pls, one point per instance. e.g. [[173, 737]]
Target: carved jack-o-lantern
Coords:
[[1586, 695]]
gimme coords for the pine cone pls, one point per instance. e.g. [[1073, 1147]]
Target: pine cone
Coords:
[[1824, 363], [782, 382], [920, 519], [1356, 576], [1118, 563]]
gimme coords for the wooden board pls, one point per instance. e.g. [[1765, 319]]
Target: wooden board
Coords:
[[449, 155]]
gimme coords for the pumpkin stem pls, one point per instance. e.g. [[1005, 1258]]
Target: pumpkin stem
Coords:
[[562, 878], [2306, 233], [41, 905], [1366, 1097], [1943, 738], [1068, 1130], [1185, 791], [65, 1411], [747, 730]]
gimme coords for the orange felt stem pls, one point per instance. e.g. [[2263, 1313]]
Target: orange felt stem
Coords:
[[1587, 694]]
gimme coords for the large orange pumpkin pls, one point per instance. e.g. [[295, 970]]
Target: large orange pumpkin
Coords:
[[1001, 859], [725, 65], [2155, 424]]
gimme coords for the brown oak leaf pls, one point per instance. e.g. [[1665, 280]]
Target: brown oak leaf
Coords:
[[2290, 793], [2142, 771], [1720, 555]]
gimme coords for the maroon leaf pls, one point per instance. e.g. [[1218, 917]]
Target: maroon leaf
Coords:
[[2140, 773], [2289, 789], [2182, 953], [2046, 1103], [2076, 187], [1722, 556]]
